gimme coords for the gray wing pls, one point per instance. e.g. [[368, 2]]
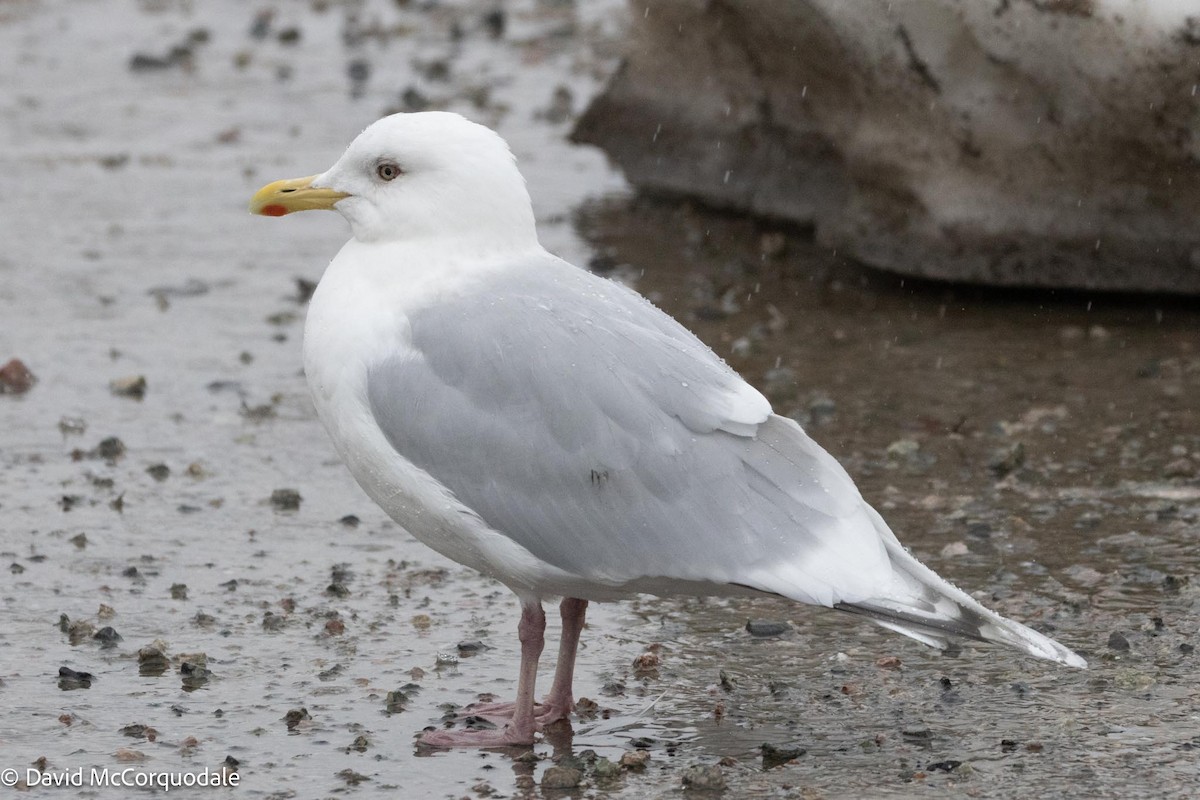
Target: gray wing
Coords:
[[579, 420]]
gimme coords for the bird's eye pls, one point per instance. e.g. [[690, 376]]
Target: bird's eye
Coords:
[[388, 170]]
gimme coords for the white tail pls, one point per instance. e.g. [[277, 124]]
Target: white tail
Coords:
[[928, 608]]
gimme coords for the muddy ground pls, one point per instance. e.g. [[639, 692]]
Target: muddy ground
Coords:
[[1042, 450]]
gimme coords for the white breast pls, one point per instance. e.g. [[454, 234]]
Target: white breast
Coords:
[[358, 317]]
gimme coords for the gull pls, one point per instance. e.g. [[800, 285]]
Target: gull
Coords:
[[554, 430]]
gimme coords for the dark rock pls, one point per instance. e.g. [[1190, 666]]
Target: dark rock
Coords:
[[350, 521], [160, 472], [69, 679], [472, 647], [944, 766], [195, 674], [294, 718], [179, 591], [773, 756], [494, 22], [285, 499], [1118, 642], [107, 636], [764, 627]]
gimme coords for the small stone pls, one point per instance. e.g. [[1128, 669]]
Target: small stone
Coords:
[[494, 22], [421, 622], [351, 777], [131, 386], [888, 662], [109, 449], [160, 472], [350, 521], [773, 756], [1007, 460], [605, 769], [107, 636], [335, 627], [152, 660], [296, 717], [79, 630], [80, 540], [955, 549], [472, 647], [1118, 642], [704, 778], [285, 499], [903, 450], [69, 679], [561, 778], [647, 663], [273, 622], [766, 627], [15, 377], [635, 759], [1179, 468]]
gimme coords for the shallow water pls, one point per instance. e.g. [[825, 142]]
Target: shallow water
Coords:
[[128, 252]]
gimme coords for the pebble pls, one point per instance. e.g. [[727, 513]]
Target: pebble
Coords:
[[15, 377], [296, 717], [704, 778], [160, 472], [133, 386], [1007, 460], [1179, 468], [765, 627], [107, 636], [647, 664], [773, 756], [1118, 642], [285, 500], [605, 769], [561, 778], [903, 450], [69, 679], [635, 759]]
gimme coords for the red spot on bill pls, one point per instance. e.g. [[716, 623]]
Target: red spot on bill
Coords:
[[274, 210]]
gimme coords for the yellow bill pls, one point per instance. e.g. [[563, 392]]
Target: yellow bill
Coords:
[[297, 194]]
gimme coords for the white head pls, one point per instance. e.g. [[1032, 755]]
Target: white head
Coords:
[[418, 176]]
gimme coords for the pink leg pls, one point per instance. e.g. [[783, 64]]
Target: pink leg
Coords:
[[520, 729], [560, 701]]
